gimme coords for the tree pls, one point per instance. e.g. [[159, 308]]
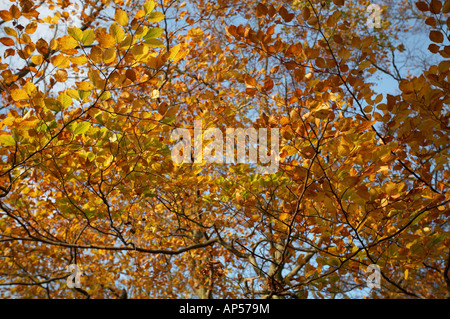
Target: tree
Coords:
[[87, 176]]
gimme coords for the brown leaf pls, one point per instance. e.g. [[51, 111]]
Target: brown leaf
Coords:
[[436, 36]]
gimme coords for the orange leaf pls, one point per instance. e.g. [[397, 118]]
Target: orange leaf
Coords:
[[261, 10], [250, 81], [6, 15], [305, 13], [15, 11], [7, 41], [31, 28], [61, 75], [268, 84], [339, 2], [9, 52], [320, 63]]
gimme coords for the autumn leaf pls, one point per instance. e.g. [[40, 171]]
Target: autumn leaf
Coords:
[[7, 41], [233, 152], [436, 36], [121, 17], [79, 128], [7, 140], [5, 15], [155, 16], [19, 94]]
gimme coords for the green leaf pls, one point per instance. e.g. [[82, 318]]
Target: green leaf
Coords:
[[153, 33], [7, 140], [437, 240], [155, 43], [65, 100], [165, 150], [53, 104], [44, 127], [83, 94], [168, 120], [79, 128]]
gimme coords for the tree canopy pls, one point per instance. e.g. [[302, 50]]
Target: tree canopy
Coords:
[[91, 92]]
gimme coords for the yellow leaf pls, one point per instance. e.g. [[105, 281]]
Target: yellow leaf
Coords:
[[88, 37], [106, 40], [174, 52], [117, 32], [155, 94], [7, 140], [284, 216], [172, 111], [10, 32], [78, 59], [256, 217], [139, 50], [37, 59], [155, 16], [109, 55], [30, 88], [60, 61], [76, 33], [5, 15], [105, 95], [84, 86], [391, 188], [73, 94], [364, 65], [322, 112], [53, 44], [148, 6], [67, 42], [96, 54], [121, 17], [31, 28], [128, 41], [343, 150], [19, 94], [65, 100], [154, 43]]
